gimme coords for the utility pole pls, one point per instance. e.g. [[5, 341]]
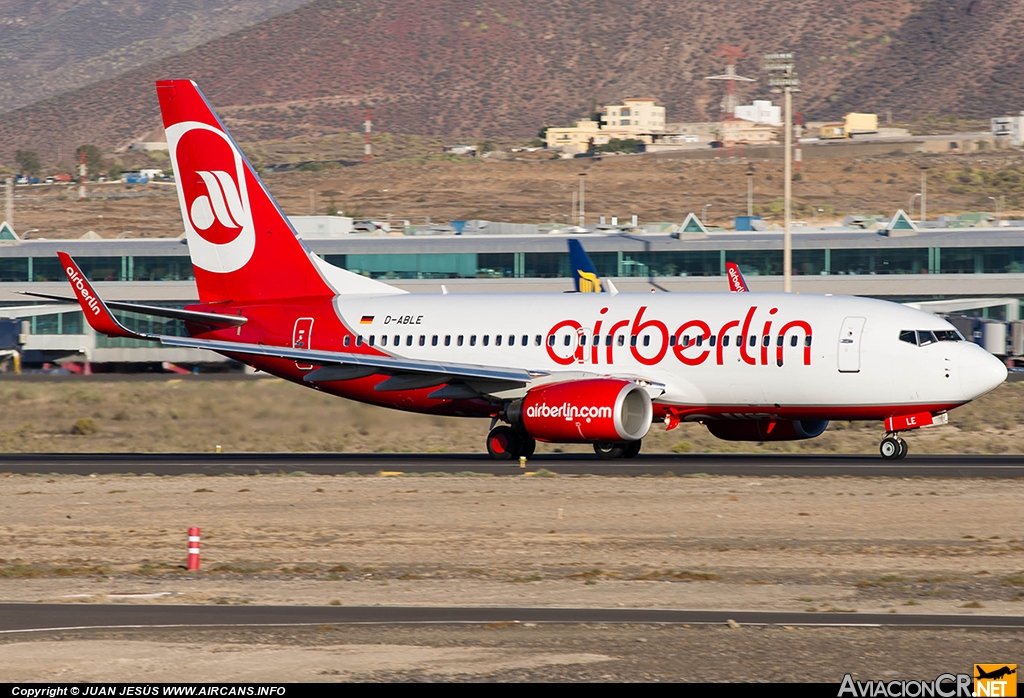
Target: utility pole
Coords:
[[81, 176], [750, 189], [367, 128], [582, 199], [782, 78], [9, 201]]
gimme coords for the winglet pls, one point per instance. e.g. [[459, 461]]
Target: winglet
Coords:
[[736, 282], [95, 310]]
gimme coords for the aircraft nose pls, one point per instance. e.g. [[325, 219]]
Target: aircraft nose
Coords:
[[980, 372]]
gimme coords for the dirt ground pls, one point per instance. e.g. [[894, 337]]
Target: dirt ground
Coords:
[[814, 544], [192, 414], [415, 184]]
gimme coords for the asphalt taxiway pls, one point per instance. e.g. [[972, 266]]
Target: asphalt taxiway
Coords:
[[787, 465]]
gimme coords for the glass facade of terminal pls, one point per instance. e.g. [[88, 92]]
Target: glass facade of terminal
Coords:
[[534, 265]]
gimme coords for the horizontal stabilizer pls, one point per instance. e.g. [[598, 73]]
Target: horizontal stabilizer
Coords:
[[194, 316]]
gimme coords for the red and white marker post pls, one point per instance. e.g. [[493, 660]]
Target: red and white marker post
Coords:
[[193, 548]]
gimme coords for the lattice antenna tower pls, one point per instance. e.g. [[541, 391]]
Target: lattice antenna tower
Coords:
[[730, 100]]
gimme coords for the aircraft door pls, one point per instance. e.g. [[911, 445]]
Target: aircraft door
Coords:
[[849, 344], [301, 339]]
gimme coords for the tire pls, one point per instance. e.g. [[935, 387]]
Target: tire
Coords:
[[632, 449], [503, 443], [903, 449], [890, 448], [609, 451], [527, 445]]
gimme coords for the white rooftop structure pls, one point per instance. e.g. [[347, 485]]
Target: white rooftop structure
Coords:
[[762, 111]]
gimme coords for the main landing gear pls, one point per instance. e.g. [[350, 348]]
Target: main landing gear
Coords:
[[613, 450], [893, 447], [506, 443]]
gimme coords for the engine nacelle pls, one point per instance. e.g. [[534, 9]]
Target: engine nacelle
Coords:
[[764, 430], [584, 411]]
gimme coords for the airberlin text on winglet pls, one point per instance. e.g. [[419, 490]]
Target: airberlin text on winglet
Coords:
[[82, 289], [688, 351]]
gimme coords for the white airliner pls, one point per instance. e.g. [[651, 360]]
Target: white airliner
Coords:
[[598, 368]]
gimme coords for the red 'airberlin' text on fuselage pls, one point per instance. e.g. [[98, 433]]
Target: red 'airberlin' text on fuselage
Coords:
[[649, 341]]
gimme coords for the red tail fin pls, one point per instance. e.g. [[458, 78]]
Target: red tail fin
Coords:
[[736, 282], [242, 246]]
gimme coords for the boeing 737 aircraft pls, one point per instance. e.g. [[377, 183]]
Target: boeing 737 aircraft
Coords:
[[597, 368]]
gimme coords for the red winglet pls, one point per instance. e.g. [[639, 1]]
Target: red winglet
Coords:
[[95, 310], [736, 282]]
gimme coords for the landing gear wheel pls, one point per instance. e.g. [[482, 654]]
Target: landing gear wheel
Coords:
[[903, 448], [632, 449], [609, 450], [527, 445], [890, 448], [503, 443]]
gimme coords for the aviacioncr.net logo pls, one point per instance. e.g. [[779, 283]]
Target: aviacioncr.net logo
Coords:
[[212, 191]]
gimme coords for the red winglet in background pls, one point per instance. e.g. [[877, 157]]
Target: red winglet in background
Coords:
[[736, 282], [95, 310]]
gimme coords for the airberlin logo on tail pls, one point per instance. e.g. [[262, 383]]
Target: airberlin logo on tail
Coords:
[[213, 194], [757, 339], [222, 202], [82, 289]]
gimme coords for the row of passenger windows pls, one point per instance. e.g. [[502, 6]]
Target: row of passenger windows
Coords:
[[925, 337], [567, 340]]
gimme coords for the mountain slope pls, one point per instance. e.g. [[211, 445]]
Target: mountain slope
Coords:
[[474, 68]]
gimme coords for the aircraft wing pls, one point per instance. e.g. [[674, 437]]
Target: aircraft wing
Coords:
[[102, 320], [208, 319]]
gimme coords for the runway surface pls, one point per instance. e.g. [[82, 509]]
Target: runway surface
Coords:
[[16, 618], [952, 466]]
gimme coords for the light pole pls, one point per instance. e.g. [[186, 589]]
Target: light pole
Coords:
[[750, 190], [910, 203], [782, 78], [704, 212], [582, 209]]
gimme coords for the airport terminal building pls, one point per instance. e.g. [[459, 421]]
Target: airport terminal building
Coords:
[[979, 271]]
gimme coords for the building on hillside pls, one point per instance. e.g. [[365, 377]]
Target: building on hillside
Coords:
[[634, 116], [1009, 127], [762, 111], [734, 131], [640, 119]]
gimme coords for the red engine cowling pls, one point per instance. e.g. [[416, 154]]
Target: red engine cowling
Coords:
[[764, 430], [584, 411]]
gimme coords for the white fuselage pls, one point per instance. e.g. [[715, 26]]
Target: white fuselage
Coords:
[[854, 357]]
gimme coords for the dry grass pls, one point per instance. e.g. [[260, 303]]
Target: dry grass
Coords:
[[269, 415]]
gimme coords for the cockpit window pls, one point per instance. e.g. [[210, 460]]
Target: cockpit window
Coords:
[[908, 336], [948, 336], [924, 338]]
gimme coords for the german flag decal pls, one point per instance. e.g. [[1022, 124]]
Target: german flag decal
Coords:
[[366, 320]]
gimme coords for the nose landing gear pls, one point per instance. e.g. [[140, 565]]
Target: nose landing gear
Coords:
[[506, 443], [893, 447]]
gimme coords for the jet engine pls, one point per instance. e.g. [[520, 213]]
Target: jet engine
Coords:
[[584, 411], [765, 430]]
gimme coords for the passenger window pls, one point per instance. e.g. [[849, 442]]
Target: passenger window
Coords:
[[739, 340], [497, 340], [347, 341], [372, 337], [647, 340], [672, 341], [608, 340], [433, 341], [753, 340], [472, 340], [398, 340], [779, 341], [536, 340], [551, 341], [447, 340], [568, 340], [383, 340], [423, 340], [686, 340], [459, 340], [622, 340], [583, 340], [487, 339], [766, 341], [725, 340], [807, 341], [359, 341], [632, 340], [908, 336], [408, 340], [924, 338], [700, 340], [512, 340], [792, 341]]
